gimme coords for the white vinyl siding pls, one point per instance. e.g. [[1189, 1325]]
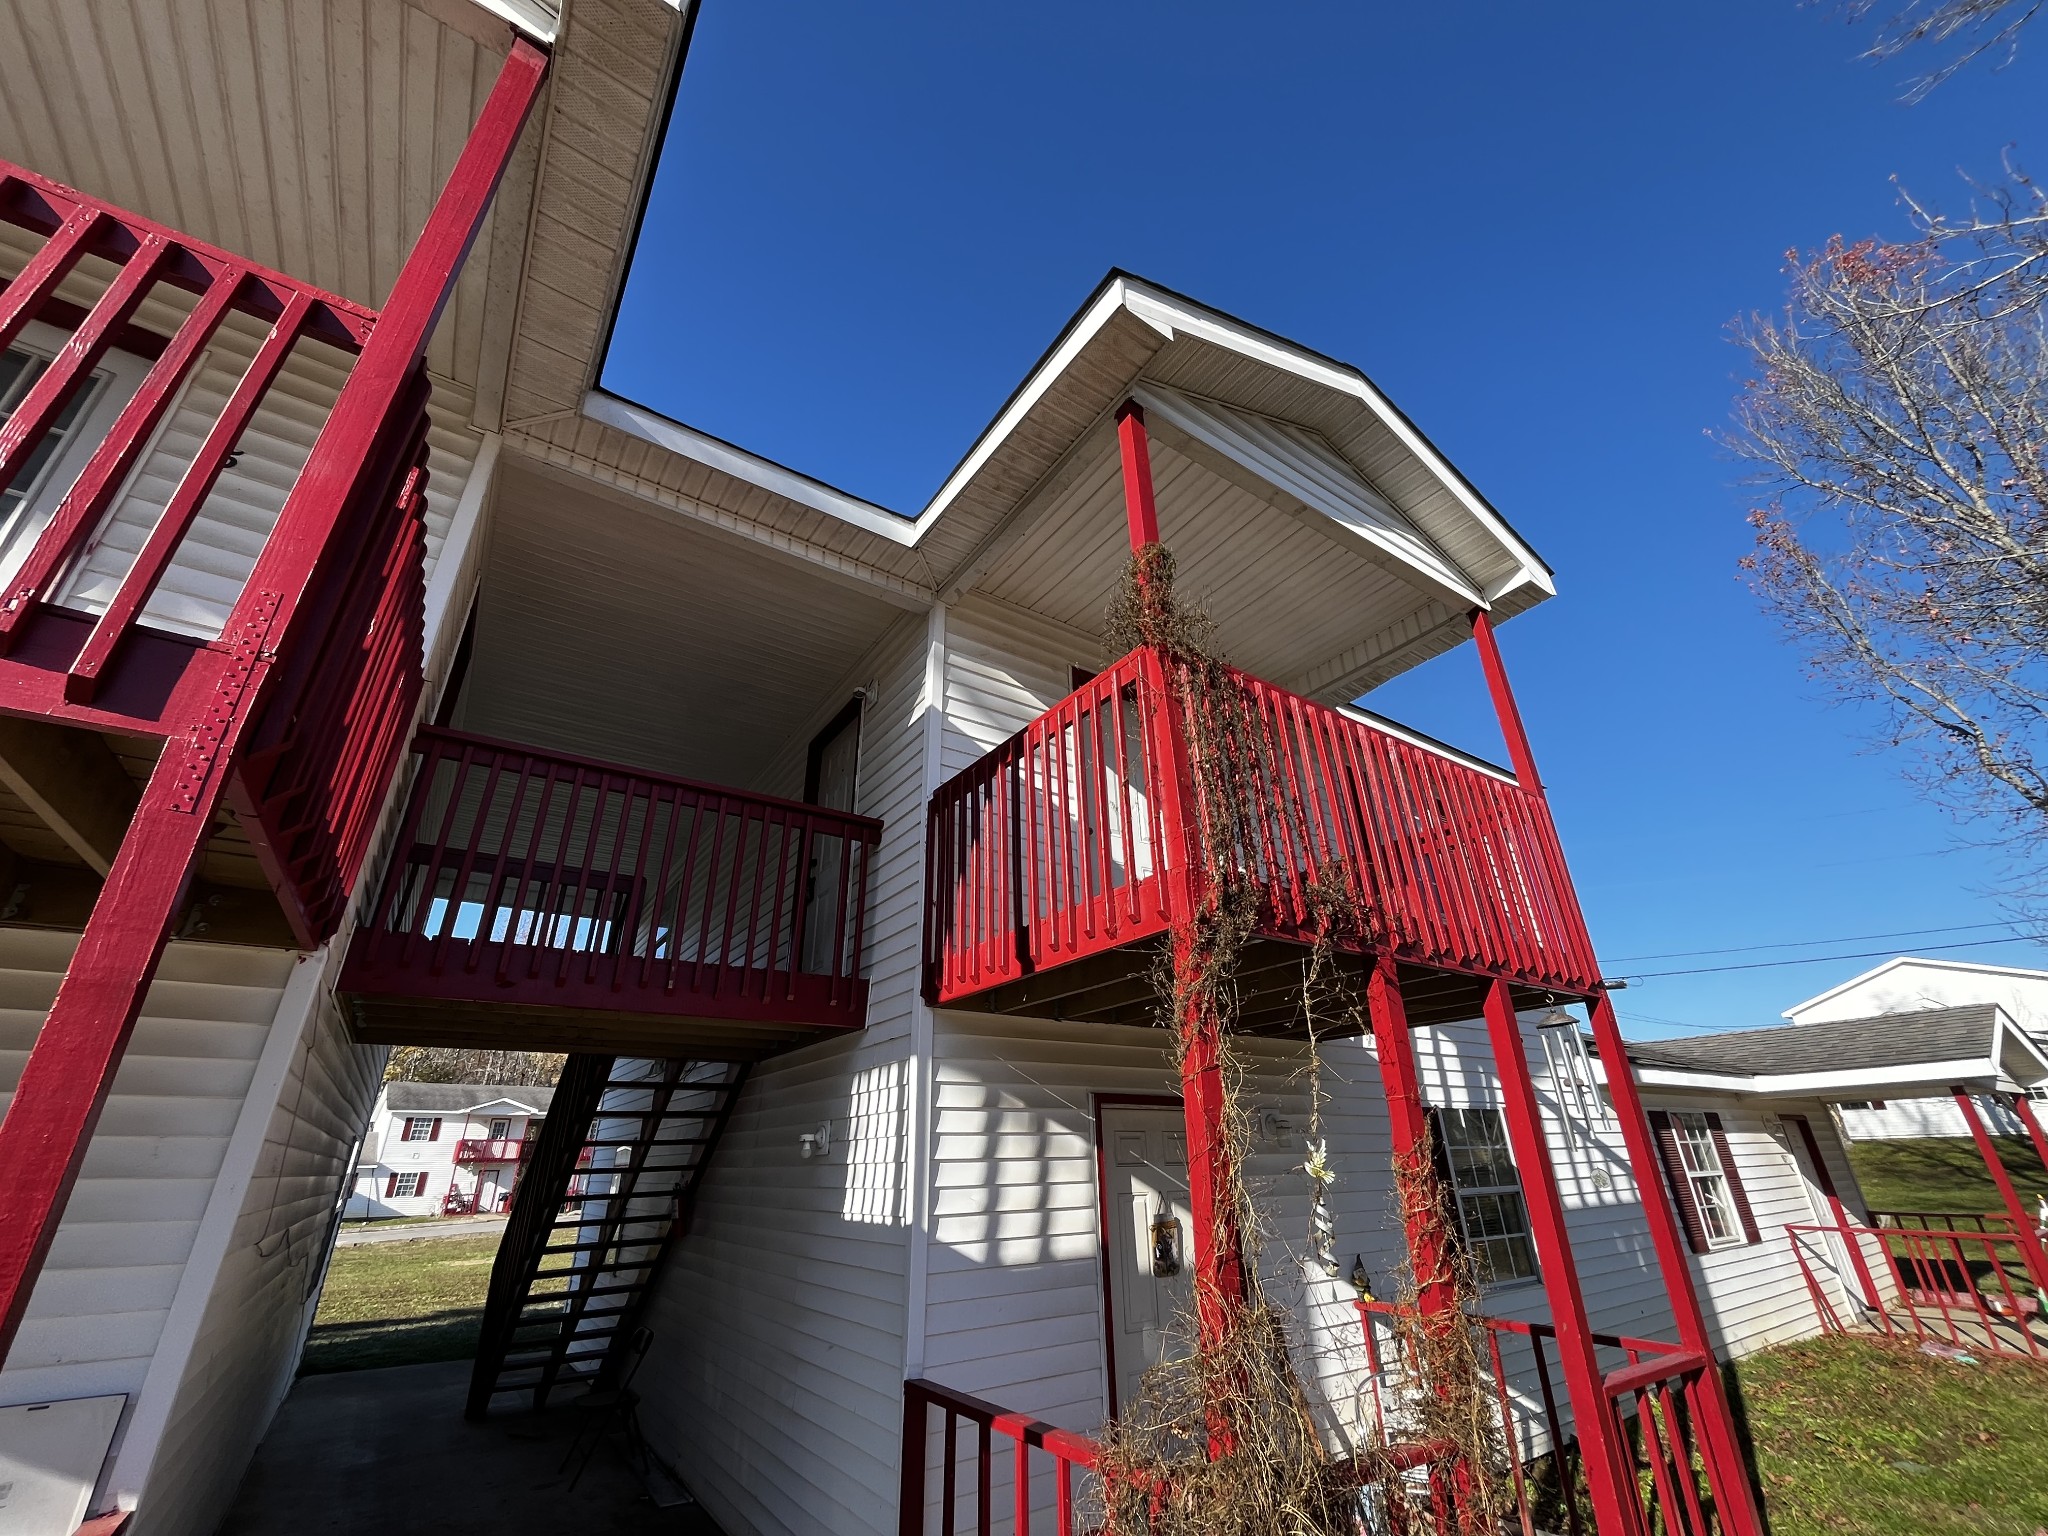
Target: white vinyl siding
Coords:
[[775, 1382], [247, 1348], [115, 1262]]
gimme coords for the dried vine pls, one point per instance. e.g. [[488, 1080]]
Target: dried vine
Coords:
[[1224, 1440]]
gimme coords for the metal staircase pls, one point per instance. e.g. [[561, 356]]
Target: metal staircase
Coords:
[[608, 1185]]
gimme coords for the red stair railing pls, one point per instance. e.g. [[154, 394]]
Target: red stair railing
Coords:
[[481, 1151], [542, 878], [1047, 1467], [1051, 847]]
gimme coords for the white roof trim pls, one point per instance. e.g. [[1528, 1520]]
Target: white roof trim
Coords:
[[653, 427], [1170, 316], [1820, 1084], [1976, 967], [1289, 460], [1416, 739], [518, 1104]]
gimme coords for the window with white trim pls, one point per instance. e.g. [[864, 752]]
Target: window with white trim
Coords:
[[2038, 1093], [501, 1130], [407, 1186], [1492, 1216], [1700, 1159], [418, 1128]]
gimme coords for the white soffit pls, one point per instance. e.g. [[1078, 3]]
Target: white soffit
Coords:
[[1302, 469]]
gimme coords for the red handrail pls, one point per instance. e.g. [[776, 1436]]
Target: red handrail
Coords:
[[1052, 847], [1968, 1290], [485, 1151], [525, 875], [1061, 1452], [1657, 1385]]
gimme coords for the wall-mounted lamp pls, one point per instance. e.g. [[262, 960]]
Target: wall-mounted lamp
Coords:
[[815, 1143], [1361, 1282]]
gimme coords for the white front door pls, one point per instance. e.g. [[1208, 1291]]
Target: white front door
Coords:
[[488, 1189], [1150, 1235]]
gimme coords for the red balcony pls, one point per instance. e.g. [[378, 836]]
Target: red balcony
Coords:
[[467, 1151], [1049, 858], [134, 354], [579, 905]]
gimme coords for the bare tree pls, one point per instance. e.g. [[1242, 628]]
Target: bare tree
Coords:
[[1983, 26], [509, 1069], [1899, 416]]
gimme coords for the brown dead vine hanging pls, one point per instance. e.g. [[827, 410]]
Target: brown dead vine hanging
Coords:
[[1224, 1440]]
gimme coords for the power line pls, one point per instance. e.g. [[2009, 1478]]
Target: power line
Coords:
[[1847, 938], [1765, 965]]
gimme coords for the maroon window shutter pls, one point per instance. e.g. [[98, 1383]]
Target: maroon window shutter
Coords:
[[420, 1189], [1741, 1196], [390, 1185], [434, 1131], [1674, 1176]]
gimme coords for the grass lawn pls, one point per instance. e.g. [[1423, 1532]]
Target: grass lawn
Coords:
[[401, 1303], [1941, 1173], [1859, 1437]]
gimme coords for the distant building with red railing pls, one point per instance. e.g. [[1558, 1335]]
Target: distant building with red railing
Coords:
[[447, 1148]]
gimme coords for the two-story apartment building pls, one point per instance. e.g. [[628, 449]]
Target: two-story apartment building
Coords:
[[370, 676], [453, 1149]]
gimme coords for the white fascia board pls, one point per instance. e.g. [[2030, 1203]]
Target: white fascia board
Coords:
[[1083, 331], [1401, 732], [1371, 520], [518, 1104], [703, 448], [1973, 967], [1173, 317], [2010, 1038], [1855, 1083]]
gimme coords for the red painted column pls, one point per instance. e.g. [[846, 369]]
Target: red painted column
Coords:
[[1610, 1478], [1408, 1123], [2024, 1108], [1504, 707], [2031, 1253], [1219, 1265], [69, 1071], [1727, 1469]]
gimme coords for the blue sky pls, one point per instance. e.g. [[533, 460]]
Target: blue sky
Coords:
[[1530, 225]]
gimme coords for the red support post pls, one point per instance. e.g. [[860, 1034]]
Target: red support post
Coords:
[[1219, 1263], [69, 1071], [2024, 1108], [2031, 1252], [1840, 1212], [1504, 705], [1734, 1495], [1135, 449], [1728, 1471], [1408, 1122], [1610, 1478]]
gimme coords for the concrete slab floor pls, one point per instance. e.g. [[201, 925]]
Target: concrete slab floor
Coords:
[[389, 1451]]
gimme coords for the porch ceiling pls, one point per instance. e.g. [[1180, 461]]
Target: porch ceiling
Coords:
[[1287, 588], [609, 628]]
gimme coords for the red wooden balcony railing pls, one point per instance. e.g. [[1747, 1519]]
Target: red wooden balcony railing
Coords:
[[543, 879], [1053, 846], [1653, 1390], [477, 1151], [317, 763], [1969, 1290], [1045, 1471]]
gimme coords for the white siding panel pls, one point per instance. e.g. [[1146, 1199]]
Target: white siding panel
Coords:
[[247, 1347], [116, 1258], [775, 1388]]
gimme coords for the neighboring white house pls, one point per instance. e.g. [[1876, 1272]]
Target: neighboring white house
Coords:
[[445, 1148], [1909, 983]]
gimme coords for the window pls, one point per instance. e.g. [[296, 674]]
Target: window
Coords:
[[501, 1130], [1491, 1215], [1862, 1104], [405, 1186], [1693, 1146], [2038, 1093], [1700, 1160], [420, 1128]]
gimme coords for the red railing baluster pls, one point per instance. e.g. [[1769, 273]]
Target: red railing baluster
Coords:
[[37, 281]]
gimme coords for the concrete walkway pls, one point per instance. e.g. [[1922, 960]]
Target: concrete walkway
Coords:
[[455, 1226], [389, 1451]]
